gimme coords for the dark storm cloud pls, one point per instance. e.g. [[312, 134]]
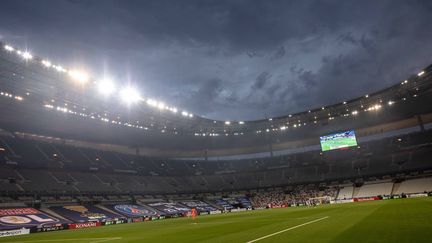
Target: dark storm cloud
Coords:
[[231, 59], [261, 80]]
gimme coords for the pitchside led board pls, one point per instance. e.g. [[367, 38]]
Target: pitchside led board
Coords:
[[338, 140]]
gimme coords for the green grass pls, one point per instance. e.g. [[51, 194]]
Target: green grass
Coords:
[[338, 143], [399, 220]]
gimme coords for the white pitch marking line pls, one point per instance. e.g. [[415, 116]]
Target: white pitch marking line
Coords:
[[285, 230], [106, 239], [92, 240]]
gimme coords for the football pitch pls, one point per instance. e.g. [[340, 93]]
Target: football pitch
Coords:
[[398, 220]]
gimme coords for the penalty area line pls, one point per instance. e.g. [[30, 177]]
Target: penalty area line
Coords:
[[288, 229]]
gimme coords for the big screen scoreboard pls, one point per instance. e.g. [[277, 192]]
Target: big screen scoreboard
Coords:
[[338, 140]]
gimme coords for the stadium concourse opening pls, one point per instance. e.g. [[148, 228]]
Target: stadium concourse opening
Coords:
[[97, 160]]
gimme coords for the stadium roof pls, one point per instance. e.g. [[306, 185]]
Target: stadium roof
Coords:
[[78, 94]]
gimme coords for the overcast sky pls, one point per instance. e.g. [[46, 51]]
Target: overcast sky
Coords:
[[231, 59]]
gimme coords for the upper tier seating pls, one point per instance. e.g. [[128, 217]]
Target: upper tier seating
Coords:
[[42, 181]]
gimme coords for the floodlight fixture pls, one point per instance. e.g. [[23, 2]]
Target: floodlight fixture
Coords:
[[46, 63], [8, 48], [130, 95], [59, 68], [106, 87], [161, 105], [26, 55], [79, 76]]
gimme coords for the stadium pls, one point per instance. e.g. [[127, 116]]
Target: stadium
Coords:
[[82, 160]]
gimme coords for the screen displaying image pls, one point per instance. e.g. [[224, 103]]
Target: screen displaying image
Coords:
[[338, 140]]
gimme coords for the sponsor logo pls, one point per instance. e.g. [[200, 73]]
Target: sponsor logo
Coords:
[[170, 208], [15, 220], [109, 223], [238, 209], [24, 217], [84, 225], [47, 229], [84, 212], [365, 199], [134, 210], [7, 233], [114, 222]]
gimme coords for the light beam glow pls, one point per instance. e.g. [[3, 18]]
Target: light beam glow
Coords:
[[130, 95]]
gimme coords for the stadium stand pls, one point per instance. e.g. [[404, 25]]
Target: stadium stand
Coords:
[[42, 181], [413, 186], [345, 192], [170, 208], [83, 213], [269, 199], [201, 206], [374, 189], [80, 160], [87, 182], [303, 169]]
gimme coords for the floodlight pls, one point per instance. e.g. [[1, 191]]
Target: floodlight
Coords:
[[420, 73], [59, 68], [227, 122], [26, 55], [129, 95], [161, 105], [46, 63], [9, 48], [79, 76], [106, 87], [151, 102]]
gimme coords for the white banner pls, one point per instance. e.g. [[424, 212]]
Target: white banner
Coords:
[[7, 233], [417, 195], [215, 212], [341, 201]]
